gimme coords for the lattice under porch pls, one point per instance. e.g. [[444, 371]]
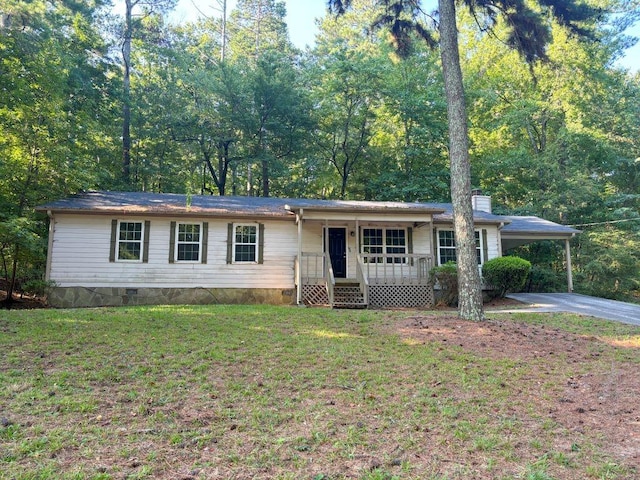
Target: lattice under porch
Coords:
[[401, 296], [315, 295]]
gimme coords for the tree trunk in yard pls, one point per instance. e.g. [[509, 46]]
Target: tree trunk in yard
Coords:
[[469, 287], [126, 95]]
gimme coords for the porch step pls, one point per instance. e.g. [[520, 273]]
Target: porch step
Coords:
[[348, 295]]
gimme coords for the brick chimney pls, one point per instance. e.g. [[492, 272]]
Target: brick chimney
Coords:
[[480, 202]]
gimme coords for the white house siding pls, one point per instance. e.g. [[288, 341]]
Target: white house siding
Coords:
[[493, 241], [81, 246]]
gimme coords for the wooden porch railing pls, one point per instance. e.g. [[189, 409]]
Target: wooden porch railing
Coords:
[[371, 269], [390, 269], [362, 279], [331, 279], [312, 267], [396, 269]]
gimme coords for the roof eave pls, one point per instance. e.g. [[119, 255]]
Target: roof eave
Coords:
[[537, 234], [167, 213], [365, 210]]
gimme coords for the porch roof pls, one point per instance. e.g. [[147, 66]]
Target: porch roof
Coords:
[[355, 206]]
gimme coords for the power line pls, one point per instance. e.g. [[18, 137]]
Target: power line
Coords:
[[605, 223]]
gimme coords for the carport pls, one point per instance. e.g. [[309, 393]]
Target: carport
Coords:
[[524, 230]]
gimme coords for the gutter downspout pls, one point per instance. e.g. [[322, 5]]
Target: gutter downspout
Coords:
[[299, 270]]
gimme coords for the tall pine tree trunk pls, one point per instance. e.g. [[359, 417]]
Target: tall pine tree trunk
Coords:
[[469, 287], [126, 95]]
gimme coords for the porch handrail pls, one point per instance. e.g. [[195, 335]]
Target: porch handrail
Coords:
[[312, 266], [425, 264], [330, 278], [362, 279], [397, 269]]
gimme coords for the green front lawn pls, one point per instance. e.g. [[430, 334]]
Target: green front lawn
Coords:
[[261, 392]]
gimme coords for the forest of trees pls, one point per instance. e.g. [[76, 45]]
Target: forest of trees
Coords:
[[92, 99]]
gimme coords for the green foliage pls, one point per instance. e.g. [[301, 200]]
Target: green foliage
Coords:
[[22, 252], [37, 287], [546, 279], [610, 262], [548, 272], [506, 274], [446, 278]]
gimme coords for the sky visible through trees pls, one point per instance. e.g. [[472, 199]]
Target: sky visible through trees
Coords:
[[302, 15]]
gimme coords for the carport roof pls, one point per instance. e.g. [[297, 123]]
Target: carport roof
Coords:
[[530, 225]]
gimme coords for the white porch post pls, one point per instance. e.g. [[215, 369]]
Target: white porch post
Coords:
[[299, 271], [326, 239], [357, 238], [567, 251]]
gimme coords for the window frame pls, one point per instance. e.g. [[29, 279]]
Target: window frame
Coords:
[[256, 244], [385, 246], [120, 241], [479, 246], [179, 242]]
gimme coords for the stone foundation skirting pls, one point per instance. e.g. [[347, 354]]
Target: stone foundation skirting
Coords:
[[74, 297]]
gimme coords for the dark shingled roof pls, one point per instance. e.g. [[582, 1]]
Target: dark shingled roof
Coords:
[[168, 203], [122, 203], [535, 226], [364, 206], [478, 216], [176, 204]]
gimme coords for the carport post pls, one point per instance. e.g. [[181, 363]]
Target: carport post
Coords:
[[567, 251]]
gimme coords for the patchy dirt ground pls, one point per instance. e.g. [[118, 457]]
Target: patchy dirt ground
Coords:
[[603, 402], [21, 301]]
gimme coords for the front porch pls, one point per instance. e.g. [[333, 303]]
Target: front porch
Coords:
[[381, 280], [364, 254]]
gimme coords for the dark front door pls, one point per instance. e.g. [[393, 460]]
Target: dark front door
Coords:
[[338, 251]]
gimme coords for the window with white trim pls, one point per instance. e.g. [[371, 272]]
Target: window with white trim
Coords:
[[447, 246], [245, 243], [188, 242], [390, 241], [130, 235]]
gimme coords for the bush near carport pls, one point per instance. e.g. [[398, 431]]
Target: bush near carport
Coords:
[[506, 274]]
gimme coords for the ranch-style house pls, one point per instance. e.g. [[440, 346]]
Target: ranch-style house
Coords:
[[119, 248]]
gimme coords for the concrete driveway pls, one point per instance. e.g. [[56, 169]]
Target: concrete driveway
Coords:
[[580, 304]]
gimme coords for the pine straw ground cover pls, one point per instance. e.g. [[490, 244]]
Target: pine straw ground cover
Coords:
[[288, 393]]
